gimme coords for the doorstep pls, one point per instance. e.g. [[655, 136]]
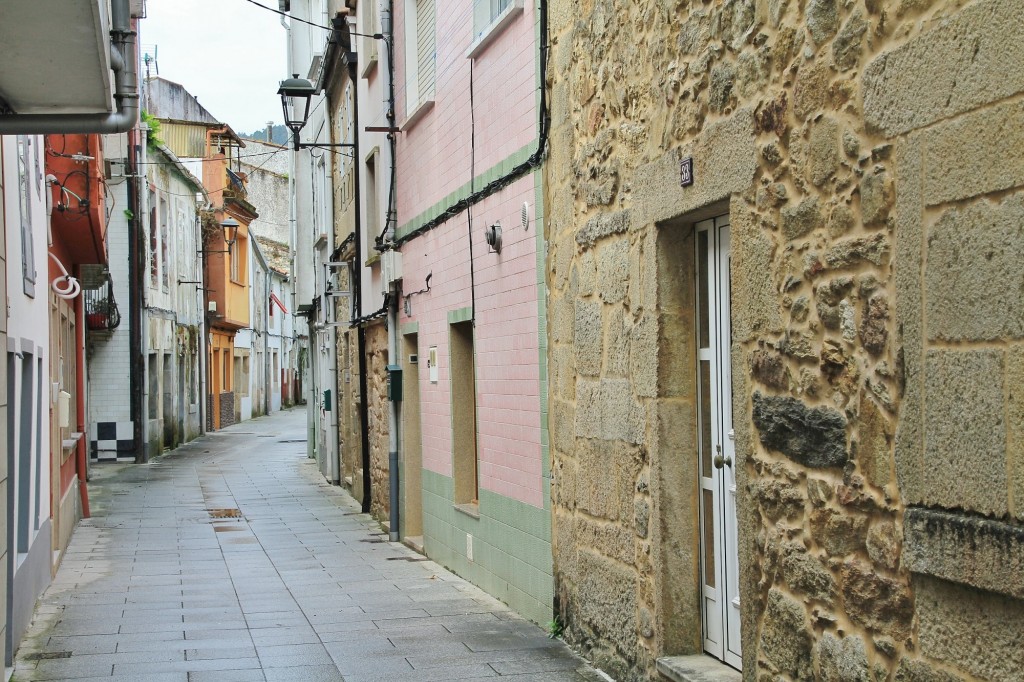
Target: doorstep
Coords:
[[699, 668], [415, 543]]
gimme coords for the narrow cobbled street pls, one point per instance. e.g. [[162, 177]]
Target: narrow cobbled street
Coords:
[[231, 559]]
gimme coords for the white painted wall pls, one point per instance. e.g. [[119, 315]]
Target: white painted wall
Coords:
[[173, 311], [372, 100], [27, 353], [109, 352], [310, 182]]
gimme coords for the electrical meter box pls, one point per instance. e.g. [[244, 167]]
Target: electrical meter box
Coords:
[[395, 383]]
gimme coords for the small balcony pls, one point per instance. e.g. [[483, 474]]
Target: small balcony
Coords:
[[101, 313]]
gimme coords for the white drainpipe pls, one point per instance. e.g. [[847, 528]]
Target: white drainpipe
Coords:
[[126, 90]]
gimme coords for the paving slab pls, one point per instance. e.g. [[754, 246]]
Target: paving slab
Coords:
[[231, 559]]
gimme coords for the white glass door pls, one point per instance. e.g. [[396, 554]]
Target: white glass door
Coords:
[[717, 453]]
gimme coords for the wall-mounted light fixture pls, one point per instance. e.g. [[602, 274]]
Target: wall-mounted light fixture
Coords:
[[296, 94], [493, 236], [230, 227]]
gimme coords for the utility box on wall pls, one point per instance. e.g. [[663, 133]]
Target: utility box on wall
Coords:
[[327, 400], [395, 383]]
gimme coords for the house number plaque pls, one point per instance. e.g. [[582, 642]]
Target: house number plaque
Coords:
[[686, 172]]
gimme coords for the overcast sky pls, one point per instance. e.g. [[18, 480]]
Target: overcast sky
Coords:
[[230, 54]]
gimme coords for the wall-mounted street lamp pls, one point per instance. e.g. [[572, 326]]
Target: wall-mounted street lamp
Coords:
[[296, 94], [230, 227]]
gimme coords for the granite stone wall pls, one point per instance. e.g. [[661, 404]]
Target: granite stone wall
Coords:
[[377, 407], [868, 155]]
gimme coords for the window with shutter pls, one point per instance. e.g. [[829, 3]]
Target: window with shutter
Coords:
[[425, 48], [490, 17], [368, 16], [486, 12], [28, 261]]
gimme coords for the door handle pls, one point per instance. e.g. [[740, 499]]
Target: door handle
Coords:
[[720, 460]]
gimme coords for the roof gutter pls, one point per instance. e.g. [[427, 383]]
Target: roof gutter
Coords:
[[126, 90]]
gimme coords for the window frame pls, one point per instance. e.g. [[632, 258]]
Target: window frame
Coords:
[[496, 23], [28, 253], [416, 107]]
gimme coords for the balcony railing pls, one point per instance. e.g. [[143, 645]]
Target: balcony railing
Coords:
[[101, 313]]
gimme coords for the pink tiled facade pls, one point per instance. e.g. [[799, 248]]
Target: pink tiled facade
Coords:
[[506, 340], [436, 159], [479, 122], [504, 106]]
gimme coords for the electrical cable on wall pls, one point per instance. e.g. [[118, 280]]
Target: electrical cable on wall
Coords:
[[472, 187], [513, 174]]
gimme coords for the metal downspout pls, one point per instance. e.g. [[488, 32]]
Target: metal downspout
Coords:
[[135, 302], [123, 59], [268, 401], [357, 295], [204, 342], [394, 519], [394, 466]]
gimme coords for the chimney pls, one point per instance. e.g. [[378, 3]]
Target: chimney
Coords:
[[270, 131]]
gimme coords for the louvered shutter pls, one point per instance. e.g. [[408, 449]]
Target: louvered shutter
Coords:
[[425, 48]]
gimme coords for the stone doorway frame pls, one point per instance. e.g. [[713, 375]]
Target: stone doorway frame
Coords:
[[673, 433]]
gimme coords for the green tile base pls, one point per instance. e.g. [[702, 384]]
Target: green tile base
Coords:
[[511, 546]]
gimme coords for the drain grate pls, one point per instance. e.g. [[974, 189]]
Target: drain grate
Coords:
[[373, 540], [46, 655], [407, 558], [292, 440]]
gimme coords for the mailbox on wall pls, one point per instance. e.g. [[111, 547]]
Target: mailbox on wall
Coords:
[[395, 383]]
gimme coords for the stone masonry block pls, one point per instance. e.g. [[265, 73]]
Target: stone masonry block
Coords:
[[601, 226], [588, 409], [607, 410], [588, 335], [725, 160], [842, 659], [617, 343], [974, 58], [562, 250], [974, 271], [971, 550], [909, 313], [613, 270], [968, 156], [1015, 427], [964, 432], [755, 307], [814, 437], [563, 372], [921, 671], [610, 495], [622, 417], [785, 638], [643, 357], [823, 151], [607, 601], [874, 600], [644, 272], [561, 320], [584, 274], [562, 425], [964, 627]]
